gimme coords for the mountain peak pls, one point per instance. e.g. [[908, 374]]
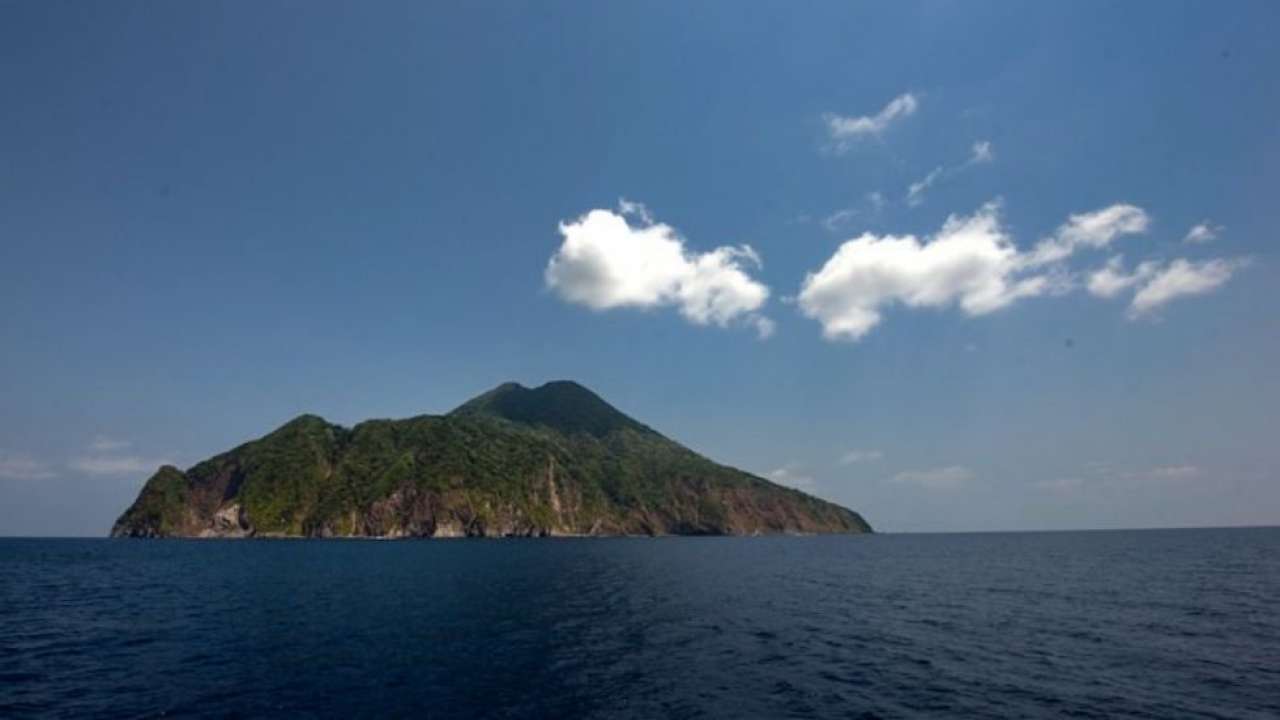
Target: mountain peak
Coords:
[[563, 405]]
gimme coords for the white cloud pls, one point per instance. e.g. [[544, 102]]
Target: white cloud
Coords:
[[605, 262], [763, 325], [1111, 279], [1089, 230], [1174, 473], [791, 476], [844, 130], [1203, 233], [636, 209], [115, 465], [106, 444], [943, 478], [971, 262], [1152, 476], [915, 192], [1158, 283], [983, 152], [872, 204], [838, 219], [23, 467], [860, 456], [1060, 485], [1181, 278]]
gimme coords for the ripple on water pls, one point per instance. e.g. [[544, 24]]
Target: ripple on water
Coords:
[[1127, 624]]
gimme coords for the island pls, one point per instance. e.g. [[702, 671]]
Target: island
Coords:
[[556, 460]]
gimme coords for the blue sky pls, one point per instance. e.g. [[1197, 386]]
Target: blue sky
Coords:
[[216, 216]]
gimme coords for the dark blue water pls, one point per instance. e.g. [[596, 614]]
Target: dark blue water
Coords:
[[1158, 624]]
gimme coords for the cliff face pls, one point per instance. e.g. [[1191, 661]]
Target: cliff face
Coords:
[[555, 460]]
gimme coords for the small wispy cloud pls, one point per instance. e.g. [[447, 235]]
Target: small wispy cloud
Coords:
[[763, 325], [1060, 485], [1174, 473], [1107, 475], [845, 130], [108, 465], [635, 209], [982, 153], [106, 444], [1202, 233], [860, 456], [792, 475], [17, 466], [870, 206], [915, 192], [943, 478], [838, 220]]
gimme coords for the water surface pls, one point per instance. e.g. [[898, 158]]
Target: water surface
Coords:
[[1154, 624]]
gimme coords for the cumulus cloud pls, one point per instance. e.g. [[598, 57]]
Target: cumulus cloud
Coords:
[[791, 476], [943, 478], [1112, 279], [971, 262], [1157, 283], [1089, 230], [15, 466], [1182, 278], [606, 262], [860, 456], [106, 465], [845, 130], [1202, 233]]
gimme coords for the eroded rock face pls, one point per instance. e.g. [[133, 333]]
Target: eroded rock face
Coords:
[[449, 530], [514, 462], [229, 522]]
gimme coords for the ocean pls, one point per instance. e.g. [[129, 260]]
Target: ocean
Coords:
[[1139, 624]]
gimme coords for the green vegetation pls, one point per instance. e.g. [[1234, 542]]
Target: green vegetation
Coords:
[[514, 461], [162, 506]]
